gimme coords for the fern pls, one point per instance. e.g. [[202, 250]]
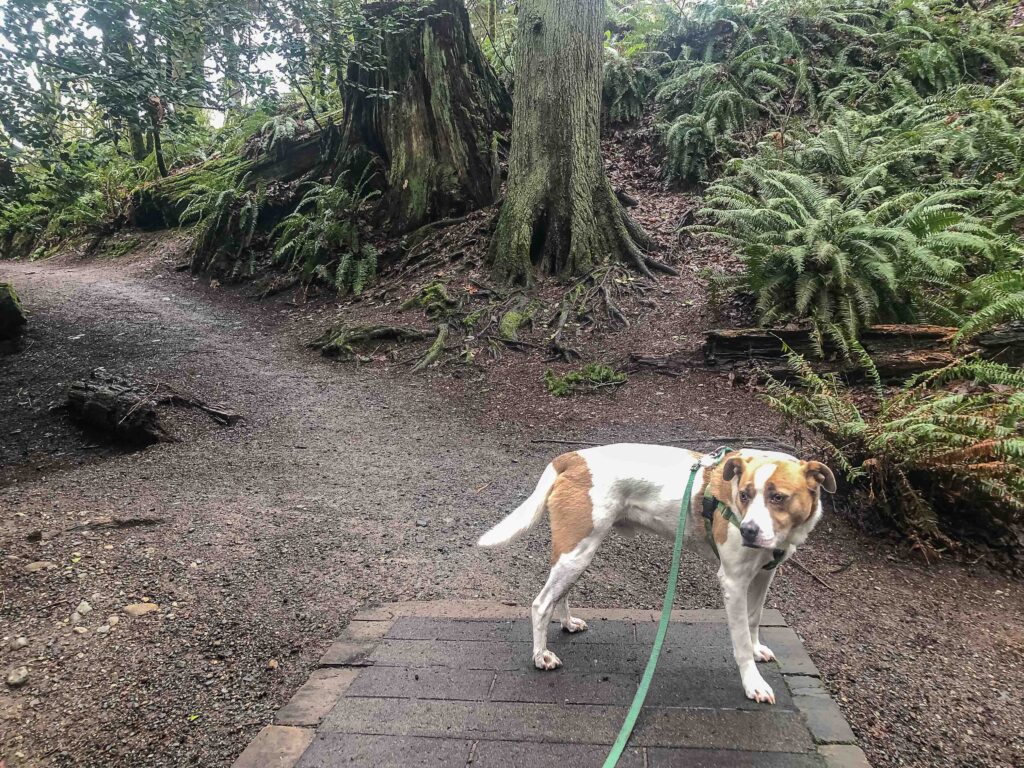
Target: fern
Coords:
[[943, 456], [996, 299], [322, 240]]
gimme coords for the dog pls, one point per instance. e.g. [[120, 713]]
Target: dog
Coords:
[[750, 508]]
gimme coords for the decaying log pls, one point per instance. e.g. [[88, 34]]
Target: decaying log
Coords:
[[127, 412], [898, 351], [344, 342], [116, 408], [160, 203]]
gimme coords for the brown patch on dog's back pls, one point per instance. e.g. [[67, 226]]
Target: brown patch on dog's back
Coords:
[[569, 506]]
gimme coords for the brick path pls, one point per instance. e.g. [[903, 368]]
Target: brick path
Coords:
[[453, 684]]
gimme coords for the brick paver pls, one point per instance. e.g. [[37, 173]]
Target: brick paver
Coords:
[[453, 684]]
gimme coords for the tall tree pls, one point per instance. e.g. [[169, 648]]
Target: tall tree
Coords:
[[560, 214]]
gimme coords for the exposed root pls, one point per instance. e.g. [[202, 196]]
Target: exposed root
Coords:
[[341, 341], [435, 349]]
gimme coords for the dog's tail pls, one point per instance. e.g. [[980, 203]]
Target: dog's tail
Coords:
[[525, 515]]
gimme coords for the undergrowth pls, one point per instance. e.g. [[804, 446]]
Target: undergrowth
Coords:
[[592, 377], [941, 457]]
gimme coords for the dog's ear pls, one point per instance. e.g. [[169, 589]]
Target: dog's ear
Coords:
[[822, 475], [733, 468]]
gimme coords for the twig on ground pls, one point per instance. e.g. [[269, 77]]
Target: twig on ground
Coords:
[[810, 573]]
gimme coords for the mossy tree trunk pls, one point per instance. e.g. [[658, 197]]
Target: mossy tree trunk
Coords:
[[560, 214], [423, 105]]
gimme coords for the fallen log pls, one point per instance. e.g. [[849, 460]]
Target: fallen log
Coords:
[[898, 351], [127, 412], [116, 408]]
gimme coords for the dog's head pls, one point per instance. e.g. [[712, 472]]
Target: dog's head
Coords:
[[777, 497]]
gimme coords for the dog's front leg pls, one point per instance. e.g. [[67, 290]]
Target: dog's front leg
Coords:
[[756, 594], [734, 592]]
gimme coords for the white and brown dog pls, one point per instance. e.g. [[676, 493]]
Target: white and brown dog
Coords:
[[760, 506]]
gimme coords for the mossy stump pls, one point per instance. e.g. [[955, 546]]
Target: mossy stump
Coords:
[[12, 317], [422, 106]]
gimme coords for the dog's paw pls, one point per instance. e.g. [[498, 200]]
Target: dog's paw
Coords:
[[574, 625], [758, 690], [763, 653], [546, 660]]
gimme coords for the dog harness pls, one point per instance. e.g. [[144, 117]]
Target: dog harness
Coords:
[[712, 505]]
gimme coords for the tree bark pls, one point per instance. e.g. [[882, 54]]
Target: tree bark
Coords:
[[422, 104], [560, 214]]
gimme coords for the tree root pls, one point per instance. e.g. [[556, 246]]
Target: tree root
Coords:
[[435, 350], [340, 341]]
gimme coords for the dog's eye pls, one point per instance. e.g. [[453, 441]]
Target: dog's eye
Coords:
[[778, 498], [744, 497]]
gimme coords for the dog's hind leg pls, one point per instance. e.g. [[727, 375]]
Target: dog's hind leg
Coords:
[[569, 622], [564, 573], [757, 591]]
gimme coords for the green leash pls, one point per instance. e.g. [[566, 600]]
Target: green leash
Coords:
[[659, 639]]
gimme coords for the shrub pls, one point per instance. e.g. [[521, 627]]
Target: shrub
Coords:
[[942, 457]]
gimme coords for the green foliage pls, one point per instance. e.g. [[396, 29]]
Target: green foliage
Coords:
[[742, 71], [943, 456], [322, 239], [838, 256], [224, 215], [590, 378], [995, 299], [882, 216], [628, 84]]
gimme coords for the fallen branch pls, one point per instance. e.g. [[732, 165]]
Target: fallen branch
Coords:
[[810, 573]]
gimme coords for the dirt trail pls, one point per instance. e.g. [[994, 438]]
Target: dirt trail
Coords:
[[345, 488]]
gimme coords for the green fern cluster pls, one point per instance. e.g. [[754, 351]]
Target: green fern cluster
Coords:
[[884, 216], [224, 215], [322, 238], [590, 378], [943, 457], [746, 71], [628, 84]]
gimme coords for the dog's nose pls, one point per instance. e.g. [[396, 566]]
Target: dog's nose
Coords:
[[750, 531]]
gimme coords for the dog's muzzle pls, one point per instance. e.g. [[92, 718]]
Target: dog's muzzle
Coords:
[[751, 532]]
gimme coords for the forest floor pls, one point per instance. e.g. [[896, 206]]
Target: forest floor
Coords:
[[351, 485]]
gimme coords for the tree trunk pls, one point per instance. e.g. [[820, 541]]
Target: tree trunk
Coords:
[[560, 213], [137, 141], [492, 21], [422, 104]]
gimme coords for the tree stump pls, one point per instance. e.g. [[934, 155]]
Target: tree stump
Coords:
[[422, 105]]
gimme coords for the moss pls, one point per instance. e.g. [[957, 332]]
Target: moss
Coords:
[[12, 316], [589, 378], [119, 248], [434, 299], [514, 319]]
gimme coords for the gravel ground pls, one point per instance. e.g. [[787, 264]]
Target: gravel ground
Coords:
[[347, 487]]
